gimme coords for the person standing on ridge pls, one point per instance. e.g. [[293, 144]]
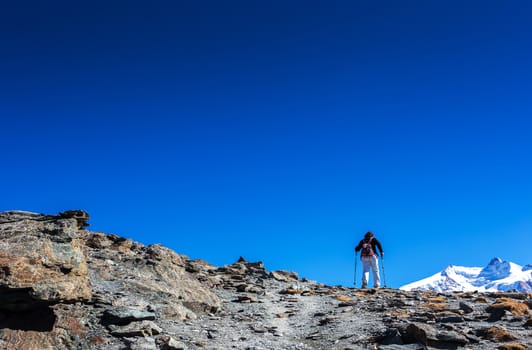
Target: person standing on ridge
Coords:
[[370, 258]]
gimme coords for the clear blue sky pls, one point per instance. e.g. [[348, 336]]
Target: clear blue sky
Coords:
[[277, 130]]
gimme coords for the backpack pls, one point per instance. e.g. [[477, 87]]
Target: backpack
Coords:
[[367, 249]]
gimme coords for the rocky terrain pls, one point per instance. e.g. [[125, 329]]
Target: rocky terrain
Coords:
[[64, 287]]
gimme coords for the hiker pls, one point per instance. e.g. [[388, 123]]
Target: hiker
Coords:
[[370, 258]]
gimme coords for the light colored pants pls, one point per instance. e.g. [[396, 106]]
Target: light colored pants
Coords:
[[373, 263]]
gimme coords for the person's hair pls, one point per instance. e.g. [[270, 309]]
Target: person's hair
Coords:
[[369, 234]]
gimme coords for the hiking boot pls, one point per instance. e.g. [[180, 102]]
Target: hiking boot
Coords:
[[364, 285]]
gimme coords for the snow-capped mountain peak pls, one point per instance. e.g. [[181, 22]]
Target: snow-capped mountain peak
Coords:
[[496, 269], [498, 275]]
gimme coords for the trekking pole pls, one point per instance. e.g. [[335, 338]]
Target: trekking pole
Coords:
[[383, 274], [355, 279]]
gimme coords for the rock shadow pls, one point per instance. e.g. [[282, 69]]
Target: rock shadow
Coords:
[[18, 311], [39, 319]]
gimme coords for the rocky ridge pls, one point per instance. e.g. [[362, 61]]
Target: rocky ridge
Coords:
[[64, 287]]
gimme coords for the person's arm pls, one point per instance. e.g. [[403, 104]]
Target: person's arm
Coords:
[[378, 244], [358, 247]]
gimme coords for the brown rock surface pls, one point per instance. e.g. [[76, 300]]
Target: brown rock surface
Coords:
[[512, 346], [499, 334], [41, 259], [515, 307]]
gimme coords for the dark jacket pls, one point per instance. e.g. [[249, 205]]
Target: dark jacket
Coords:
[[374, 244]]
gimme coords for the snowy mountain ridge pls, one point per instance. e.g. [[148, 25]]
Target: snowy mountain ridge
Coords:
[[498, 275]]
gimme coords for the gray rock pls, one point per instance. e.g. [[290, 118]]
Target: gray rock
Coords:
[[419, 332], [472, 338], [135, 329], [451, 319], [249, 288], [465, 307], [285, 276], [81, 217], [451, 337], [169, 343], [391, 336], [497, 314], [122, 315], [140, 344], [246, 299], [402, 347], [430, 336]]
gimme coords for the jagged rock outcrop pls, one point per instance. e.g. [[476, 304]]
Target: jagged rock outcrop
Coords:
[[41, 259], [62, 287]]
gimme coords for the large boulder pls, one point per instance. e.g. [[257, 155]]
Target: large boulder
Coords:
[[41, 261], [44, 280]]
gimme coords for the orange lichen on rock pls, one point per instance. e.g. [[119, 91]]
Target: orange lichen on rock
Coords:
[[292, 291], [499, 334], [438, 303], [440, 299], [512, 346], [400, 314], [343, 298], [436, 306], [482, 300], [515, 307]]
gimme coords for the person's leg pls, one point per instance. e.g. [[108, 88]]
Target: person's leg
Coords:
[[376, 275], [366, 265]]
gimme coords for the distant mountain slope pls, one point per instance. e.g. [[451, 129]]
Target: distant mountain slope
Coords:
[[498, 275]]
